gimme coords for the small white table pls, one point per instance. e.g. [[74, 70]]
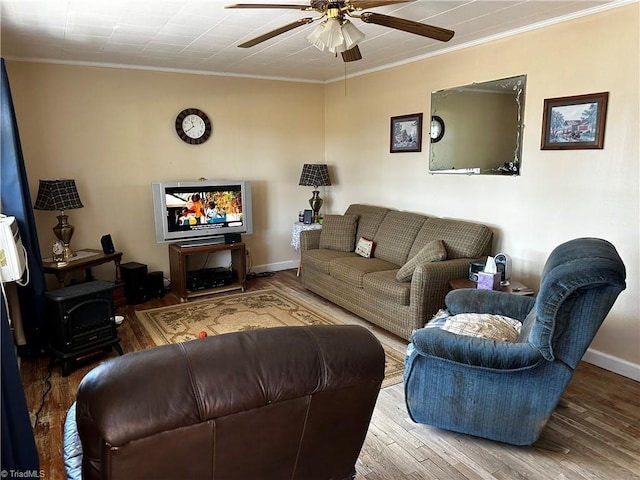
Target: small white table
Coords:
[[295, 235]]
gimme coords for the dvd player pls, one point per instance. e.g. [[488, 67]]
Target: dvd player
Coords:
[[206, 278]]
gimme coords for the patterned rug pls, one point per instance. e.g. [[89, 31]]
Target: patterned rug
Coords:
[[246, 311]]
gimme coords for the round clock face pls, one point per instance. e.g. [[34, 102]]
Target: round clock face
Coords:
[[437, 129], [57, 251], [193, 126], [57, 248]]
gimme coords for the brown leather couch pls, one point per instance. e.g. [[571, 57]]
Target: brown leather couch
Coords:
[[278, 403]]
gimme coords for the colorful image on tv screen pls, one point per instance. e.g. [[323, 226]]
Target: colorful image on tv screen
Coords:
[[202, 210]]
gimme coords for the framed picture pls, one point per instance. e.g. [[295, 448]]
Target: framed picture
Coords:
[[574, 122], [406, 133]]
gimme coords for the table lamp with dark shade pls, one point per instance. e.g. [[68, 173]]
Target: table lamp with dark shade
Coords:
[[315, 175], [59, 194]]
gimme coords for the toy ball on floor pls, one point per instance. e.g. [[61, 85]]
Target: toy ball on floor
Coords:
[[202, 334]]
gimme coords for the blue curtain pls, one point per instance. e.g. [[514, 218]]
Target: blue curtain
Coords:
[[18, 447], [16, 202]]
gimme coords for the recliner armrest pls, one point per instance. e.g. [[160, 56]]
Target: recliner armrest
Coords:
[[474, 351], [468, 300]]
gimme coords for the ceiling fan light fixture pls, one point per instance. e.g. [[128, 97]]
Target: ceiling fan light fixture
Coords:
[[332, 35], [314, 37], [352, 36], [335, 36]]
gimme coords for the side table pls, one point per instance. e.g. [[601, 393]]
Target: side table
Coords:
[[178, 256], [295, 235], [514, 287], [85, 260]]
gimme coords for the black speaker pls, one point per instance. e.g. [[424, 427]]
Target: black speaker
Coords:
[[155, 284], [232, 238], [107, 244], [474, 268], [503, 263], [134, 276]]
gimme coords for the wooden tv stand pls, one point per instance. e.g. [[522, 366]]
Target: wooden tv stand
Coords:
[[178, 268]]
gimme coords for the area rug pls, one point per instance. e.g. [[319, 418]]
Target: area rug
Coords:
[[246, 311]]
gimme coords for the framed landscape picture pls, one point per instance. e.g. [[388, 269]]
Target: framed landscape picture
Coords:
[[406, 133], [574, 122]]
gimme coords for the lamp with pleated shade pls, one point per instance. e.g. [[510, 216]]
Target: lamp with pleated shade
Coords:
[[60, 194], [315, 175]]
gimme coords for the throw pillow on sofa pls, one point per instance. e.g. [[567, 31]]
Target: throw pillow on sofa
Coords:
[[433, 251], [364, 248], [339, 232]]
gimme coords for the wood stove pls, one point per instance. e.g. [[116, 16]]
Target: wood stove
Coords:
[[81, 322]]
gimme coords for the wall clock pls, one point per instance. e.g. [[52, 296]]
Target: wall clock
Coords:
[[193, 126], [437, 128]]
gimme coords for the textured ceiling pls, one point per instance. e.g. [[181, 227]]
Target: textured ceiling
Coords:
[[202, 36]]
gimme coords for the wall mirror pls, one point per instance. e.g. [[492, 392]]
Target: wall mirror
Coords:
[[477, 129]]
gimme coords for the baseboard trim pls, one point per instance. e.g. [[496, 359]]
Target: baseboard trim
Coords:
[[613, 364], [275, 267]]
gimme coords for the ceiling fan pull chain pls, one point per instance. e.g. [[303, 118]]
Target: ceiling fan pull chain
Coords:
[[345, 79]]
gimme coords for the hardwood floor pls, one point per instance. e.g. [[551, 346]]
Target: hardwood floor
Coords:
[[595, 434]]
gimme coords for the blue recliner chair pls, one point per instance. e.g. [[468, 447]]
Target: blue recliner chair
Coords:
[[506, 391]]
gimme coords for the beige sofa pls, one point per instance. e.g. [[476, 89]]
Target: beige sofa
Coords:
[[404, 282]]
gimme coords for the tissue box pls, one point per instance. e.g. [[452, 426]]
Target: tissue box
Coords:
[[489, 281]]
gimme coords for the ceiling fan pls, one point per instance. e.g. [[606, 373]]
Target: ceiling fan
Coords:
[[336, 33]]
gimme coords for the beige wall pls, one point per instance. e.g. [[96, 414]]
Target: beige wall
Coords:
[[560, 194], [112, 130]]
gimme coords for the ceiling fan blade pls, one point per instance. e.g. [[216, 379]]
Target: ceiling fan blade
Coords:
[[366, 4], [351, 55], [276, 32], [410, 26], [268, 5]]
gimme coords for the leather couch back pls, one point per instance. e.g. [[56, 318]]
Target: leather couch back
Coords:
[[289, 402]]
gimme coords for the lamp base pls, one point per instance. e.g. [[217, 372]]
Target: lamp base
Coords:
[[68, 253], [64, 231], [316, 203]]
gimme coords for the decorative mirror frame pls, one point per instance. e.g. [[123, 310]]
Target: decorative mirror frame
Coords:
[[484, 128]]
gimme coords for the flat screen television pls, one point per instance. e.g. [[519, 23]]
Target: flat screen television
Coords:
[[201, 212]]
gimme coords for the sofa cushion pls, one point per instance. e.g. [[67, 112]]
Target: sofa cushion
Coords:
[[384, 285], [369, 218], [461, 239], [338, 232], [485, 325], [433, 251], [396, 235], [320, 259], [352, 269]]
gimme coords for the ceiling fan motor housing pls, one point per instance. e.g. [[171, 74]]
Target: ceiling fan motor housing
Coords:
[[336, 33]]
